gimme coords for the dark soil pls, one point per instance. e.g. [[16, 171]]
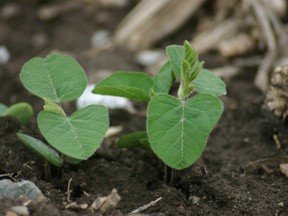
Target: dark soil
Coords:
[[222, 179]]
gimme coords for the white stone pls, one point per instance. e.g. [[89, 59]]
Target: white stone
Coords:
[[99, 38], [111, 102], [25, 189], [4, 55], [149, 57], [20, 210]]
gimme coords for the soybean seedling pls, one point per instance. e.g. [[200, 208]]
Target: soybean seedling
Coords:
[[21, 111], [57, 79], [178, 127]]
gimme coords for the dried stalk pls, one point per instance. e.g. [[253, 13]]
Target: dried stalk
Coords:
[[262, 16], [210, 39], [151, 20]]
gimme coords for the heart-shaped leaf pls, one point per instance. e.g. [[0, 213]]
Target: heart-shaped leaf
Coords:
[[77, 136], [57, 78], [178, 130]]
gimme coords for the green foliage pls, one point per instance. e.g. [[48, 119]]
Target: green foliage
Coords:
[[78, 135], [50, 106], [56, 79], [163, 80], [207, 82], [42, 149], [176, 55], [177, 127], [136, 139], [131, 85], [22, 111]]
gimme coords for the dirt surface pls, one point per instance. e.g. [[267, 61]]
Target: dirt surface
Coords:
[[220, 183]]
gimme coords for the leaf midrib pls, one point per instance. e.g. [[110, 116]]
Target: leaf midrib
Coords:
[[182, 128], [51, 82], [74, 132]]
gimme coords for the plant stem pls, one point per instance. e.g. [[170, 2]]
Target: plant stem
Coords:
[[168, 174]]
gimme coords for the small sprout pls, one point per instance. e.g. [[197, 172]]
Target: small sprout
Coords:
[[57, 79], [22, 111], [177, 127]]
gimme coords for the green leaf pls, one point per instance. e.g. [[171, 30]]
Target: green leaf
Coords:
[[175, 55], [136, 139], [77, 136], [57, 78], [50, 106], [133, 85], [163, 80], [190, 54], [178, 130], [2, 108], [42, 149], [208, 82], [191, 57], [22, 111], [189, 71]]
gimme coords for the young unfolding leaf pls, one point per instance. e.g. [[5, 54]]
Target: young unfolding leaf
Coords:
[[190, 69], [191, 57], [50, 106], [175, 55], [186, 88], [133, 85], [57, 78], [78, 135], [178, 130], [42, 149]]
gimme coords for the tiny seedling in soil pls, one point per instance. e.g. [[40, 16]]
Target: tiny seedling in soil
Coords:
[[57, 79], [21, 111], [177, 127]]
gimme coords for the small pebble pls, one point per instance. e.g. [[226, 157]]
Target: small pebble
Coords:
[[4, 55], [22, 189], [281, 204], [111, 102], [20, 210], [10, 213], [284, 169], [195, 200], [99, 38], [149, 57]]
